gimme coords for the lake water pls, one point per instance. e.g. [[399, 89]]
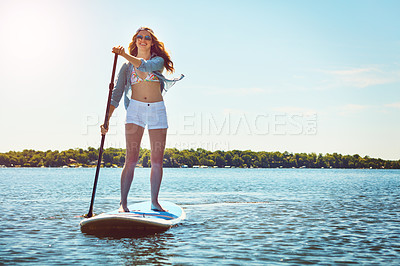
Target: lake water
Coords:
[[234, 216]]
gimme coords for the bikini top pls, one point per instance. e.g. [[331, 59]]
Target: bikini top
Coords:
[[136, 79]]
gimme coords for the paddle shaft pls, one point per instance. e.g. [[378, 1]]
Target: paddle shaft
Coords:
[[103, 136]]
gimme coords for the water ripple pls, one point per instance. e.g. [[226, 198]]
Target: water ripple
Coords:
[[259, 217]]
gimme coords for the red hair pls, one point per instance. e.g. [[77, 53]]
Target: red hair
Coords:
[[157, 48]]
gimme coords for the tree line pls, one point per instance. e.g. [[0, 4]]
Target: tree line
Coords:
[[113, 157]]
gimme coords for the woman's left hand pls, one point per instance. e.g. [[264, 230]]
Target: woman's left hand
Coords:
[[119, 50]]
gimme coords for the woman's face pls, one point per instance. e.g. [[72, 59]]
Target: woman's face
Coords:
[[144, 40]]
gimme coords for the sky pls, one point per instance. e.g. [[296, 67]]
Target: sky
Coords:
[[297, 76]]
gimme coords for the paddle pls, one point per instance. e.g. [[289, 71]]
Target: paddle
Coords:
[[110, 89]]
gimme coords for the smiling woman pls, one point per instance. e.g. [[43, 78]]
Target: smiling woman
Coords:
[[142, 78]]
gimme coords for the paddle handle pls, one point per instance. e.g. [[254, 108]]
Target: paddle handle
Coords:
[[110, 89]]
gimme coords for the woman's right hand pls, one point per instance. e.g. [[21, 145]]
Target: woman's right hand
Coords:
[[119, 50], [103, 130]]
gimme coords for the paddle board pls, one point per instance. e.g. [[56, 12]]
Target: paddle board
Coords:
[[140, 220]]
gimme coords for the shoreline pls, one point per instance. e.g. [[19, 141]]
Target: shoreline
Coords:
[[199, 158], [247, 168]]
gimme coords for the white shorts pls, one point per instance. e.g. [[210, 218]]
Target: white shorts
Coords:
[[154, 115]]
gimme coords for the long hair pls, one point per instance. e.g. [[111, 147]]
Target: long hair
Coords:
[[157, 48]]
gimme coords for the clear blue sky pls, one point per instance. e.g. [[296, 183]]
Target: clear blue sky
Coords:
[[297, 76]]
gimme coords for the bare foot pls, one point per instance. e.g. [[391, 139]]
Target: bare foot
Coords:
[[157, 207], [122, 209]]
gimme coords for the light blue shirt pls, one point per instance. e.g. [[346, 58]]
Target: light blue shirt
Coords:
[[123, 86]]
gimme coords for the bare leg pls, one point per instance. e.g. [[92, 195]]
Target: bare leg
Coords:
[[157, 142], [133, 135]]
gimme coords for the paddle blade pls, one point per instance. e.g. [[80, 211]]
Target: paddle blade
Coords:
[[88, 215]]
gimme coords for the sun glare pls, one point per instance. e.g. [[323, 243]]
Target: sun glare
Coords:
[[31, 30]]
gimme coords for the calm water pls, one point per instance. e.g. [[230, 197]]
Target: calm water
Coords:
[[268, 216]]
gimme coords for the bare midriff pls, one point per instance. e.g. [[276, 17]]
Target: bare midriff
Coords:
[[147, 91]]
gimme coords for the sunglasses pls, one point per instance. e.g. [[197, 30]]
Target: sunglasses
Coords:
[[147, 37]]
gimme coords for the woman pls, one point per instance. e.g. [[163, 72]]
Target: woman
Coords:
[[142, 83]]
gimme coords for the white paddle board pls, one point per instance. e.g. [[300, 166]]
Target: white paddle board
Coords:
[[140, 220]]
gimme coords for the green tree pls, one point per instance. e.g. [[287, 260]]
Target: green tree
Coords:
[[4, 159], [146, 159], [228, 158], [219, 160], [237, 161]]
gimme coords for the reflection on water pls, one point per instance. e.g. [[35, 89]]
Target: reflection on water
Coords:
[[235, 216], [151, 249]]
